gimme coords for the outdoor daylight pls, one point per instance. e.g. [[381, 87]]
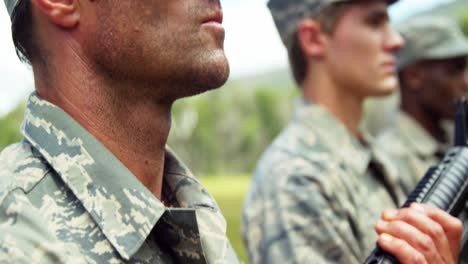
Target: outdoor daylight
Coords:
[[130, 150]]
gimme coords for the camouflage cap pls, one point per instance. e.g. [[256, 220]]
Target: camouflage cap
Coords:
[[288, 13], [430, 37], [10, 5]]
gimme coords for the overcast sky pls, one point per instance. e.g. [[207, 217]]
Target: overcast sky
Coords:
[[252, 45]]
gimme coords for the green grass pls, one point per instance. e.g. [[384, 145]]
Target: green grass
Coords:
[[229, 192]]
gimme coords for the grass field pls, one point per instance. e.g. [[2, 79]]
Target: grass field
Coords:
[[229, 192]]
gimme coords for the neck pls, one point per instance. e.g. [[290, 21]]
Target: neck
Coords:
[[344, 105], [131, 124], [428, 121]]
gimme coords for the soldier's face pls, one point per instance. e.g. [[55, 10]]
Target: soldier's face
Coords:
[[159, 42], [360, 51], [444, 81]]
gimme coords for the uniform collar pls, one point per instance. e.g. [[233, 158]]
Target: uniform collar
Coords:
[[334, 134], [122, 207], [416, 137], [198, 223]]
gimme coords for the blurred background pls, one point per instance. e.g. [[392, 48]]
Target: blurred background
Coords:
[[221, 134]]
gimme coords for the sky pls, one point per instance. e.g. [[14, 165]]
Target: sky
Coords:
[[252, 45]]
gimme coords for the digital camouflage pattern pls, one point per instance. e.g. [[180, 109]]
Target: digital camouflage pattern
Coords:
[[10, 5], [288, 13], [317, 193], [430, 37], [411, 147], [65, 198]]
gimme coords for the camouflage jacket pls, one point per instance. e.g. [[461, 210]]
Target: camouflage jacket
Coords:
[[411, 148], [317, 193], [64, 198]]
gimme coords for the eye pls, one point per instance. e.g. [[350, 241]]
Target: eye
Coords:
[[457, 67], [377, 19]]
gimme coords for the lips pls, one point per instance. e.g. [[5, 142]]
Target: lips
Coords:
[[215, 17], [390, 65]]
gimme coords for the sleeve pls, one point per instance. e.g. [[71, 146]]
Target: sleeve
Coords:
[[23, 238], [300, 220]]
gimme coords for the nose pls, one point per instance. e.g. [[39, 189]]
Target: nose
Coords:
[[394, 41]]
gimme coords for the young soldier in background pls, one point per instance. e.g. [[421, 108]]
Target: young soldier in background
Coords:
[[320, 187], [432, 71]]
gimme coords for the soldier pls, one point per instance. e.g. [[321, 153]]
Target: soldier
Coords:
[[320, 187], [93, 181], [432, 73], [431, 68]]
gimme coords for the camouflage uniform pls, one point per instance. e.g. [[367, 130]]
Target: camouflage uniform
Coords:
[[317, 193], [411, 147], [65, 198], [430, 37]]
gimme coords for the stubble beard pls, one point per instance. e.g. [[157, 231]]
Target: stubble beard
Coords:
[[209, 71], [165, 70]]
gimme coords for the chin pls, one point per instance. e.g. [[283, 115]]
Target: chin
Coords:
[[386, 92], [221, 72], [215, 73], [204, 76], [387, 87]]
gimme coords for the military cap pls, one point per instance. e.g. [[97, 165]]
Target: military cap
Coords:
[[288, 13], [10, 5], [430, 37]]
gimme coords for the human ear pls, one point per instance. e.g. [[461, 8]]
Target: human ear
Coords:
[[310, 38], [63, 13]]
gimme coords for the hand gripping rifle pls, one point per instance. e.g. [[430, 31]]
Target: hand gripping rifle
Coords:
[[444, 186]]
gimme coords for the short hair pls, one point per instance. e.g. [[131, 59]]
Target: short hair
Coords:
[[22, 32], [328, 18]]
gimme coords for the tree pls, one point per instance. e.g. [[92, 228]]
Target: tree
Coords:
[[464, 22], [9, 127]]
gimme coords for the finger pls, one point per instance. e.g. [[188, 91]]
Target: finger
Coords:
[[418, 219], [400, 249], [452, 226], [413, 237]]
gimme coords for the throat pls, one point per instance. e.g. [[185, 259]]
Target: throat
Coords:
[[136, 135], [150, 173], [341, 101], [140, 145]]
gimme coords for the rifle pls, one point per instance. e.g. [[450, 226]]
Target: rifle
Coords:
[[444, 186]]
